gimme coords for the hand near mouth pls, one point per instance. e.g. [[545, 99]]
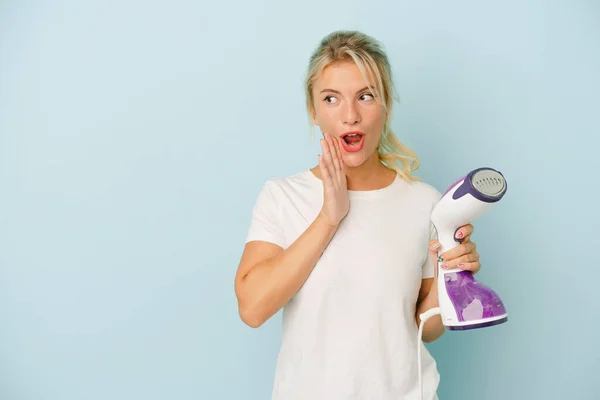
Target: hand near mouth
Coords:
[[336, 203]]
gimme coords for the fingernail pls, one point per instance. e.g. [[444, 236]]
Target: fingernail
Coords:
[[444, 266], [461, 265], [459, 234]]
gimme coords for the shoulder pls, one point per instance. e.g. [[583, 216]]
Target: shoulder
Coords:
[[425, 191], [299, 181], [289, 186]]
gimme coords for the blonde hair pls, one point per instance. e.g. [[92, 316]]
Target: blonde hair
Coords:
[[371, 59]]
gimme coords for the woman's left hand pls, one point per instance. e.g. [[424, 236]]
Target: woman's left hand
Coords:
[[463, 256]]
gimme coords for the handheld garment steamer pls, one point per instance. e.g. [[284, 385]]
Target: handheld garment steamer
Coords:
[[464, 303]]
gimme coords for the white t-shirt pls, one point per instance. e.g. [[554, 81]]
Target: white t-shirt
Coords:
[[350, 332]]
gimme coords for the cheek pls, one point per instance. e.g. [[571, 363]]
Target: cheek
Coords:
[[325, 118], [376, 122], [378, 116]]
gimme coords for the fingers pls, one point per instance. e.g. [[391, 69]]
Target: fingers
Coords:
[[327, 155], [327, 158], [464, 264], [335, 155], [464, 256], [338, 155], [434, 245], [467, 258], [324, 172], [474, 267], [468, 262], [324, 166], [464, 232], [460, 250], [332, 158]]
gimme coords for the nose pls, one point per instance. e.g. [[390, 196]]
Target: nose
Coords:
[[350, 114]]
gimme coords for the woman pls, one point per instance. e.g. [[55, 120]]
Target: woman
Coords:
[[342, 247]]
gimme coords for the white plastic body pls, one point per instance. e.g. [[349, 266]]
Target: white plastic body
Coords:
[[447, 216]]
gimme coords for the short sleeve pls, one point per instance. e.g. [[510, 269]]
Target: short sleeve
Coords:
[[428, 268], [265, 224]]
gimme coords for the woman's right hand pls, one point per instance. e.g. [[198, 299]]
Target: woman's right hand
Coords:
[[336, 203]]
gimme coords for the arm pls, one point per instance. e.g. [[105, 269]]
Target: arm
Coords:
[[269, 276], [428, 295], [428, 299]]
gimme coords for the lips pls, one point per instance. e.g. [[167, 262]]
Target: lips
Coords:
[[352, 141]]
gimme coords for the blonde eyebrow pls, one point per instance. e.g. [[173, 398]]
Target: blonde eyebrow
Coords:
[[335, 91]]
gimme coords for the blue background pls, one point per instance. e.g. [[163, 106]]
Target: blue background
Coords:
[[135, 136]]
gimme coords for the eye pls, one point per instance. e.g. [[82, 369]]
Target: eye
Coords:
[[362, 96], [328, 99]]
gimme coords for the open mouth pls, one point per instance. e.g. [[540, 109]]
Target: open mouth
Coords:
[[353, 141]]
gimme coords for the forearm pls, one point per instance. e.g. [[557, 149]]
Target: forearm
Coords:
[[271, 284], [433, 328]]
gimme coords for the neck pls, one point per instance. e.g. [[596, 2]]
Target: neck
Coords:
[[370, 175]]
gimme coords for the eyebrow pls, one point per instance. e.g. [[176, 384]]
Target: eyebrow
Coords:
[[335, 91]]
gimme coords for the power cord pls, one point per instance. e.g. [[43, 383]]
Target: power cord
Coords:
[[424, 317]]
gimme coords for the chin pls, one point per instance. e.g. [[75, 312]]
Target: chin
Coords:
[[353, 160]]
